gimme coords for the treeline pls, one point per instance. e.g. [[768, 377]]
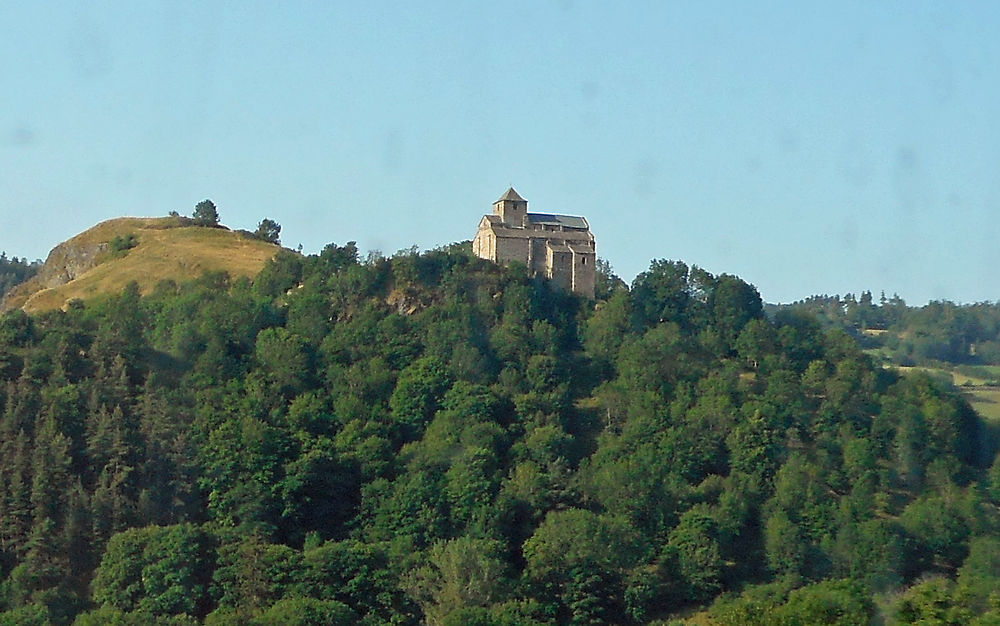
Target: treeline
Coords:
[[14, 271], [432, 438], [940, 331]]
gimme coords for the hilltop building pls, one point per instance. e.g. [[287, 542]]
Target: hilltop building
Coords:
[[559, 247]]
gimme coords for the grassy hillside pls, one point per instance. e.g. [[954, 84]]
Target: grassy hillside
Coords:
[[164, 249]]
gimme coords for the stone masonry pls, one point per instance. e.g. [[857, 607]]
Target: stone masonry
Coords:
[[559, 247]]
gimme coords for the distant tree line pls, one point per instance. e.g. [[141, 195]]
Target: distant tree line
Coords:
[[939, 331], [14, 271]]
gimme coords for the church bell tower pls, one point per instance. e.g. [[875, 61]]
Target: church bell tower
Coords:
[[511, 208]]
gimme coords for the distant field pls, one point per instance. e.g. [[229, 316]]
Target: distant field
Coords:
[[986, 401], [933, 371], [984, 398], [991, 371], [966, 379], [874, 332], [880, 355]]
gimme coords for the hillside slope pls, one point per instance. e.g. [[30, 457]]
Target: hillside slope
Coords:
[[167, 248], [434, 439]]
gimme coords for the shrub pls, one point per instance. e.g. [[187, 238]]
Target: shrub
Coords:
[[121, 244]]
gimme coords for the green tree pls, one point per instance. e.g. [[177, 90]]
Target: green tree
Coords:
[[15, 521], [733, 304], [606, 330], [157, 570], [282, 272], [471, 484], [242, 472], [268, 230], [577, 559], [979, 576], [930, 602], [695, 545], [460, 573], [757, 340], [833, 602], [940, 529], [365, 576], [418, 395], [17, 328], [661, 294], [786, 547], [873, 552], [253, 575], [306, 612], [205, 214], [285, 359], [414, 507], [28, 615], [320, 492], [606, 282]]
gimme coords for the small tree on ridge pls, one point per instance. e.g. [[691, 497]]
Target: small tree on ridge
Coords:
[[268, 230], [205, 214]]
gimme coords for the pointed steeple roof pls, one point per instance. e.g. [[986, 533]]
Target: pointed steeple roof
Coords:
[[511, 195]]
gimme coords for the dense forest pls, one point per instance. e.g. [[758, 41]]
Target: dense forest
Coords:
[[430, 438]]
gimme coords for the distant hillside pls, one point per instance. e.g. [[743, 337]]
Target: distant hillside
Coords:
[[110, 255]]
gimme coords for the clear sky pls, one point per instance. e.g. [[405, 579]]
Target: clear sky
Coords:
[[808, 147]]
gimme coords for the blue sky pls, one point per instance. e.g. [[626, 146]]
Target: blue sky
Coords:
[[806, 147]]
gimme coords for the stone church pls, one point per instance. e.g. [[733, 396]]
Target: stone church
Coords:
[[559, 247]]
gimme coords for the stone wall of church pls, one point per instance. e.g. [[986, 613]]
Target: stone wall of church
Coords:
[[584, 273], [511, 249], [560, 270]]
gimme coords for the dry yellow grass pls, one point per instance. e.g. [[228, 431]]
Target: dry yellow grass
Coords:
[[166, 250]]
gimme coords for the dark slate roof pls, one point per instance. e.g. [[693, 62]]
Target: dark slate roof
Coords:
[[569, 221], [511, 195]]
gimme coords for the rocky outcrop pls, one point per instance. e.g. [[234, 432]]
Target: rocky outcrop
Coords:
[[65, 262], [68, 261]]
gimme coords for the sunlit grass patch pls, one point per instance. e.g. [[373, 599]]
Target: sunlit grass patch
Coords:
[[164, 249]]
